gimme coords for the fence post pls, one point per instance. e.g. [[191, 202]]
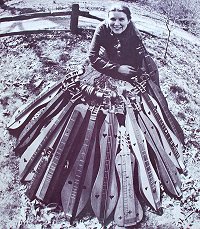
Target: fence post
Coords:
[[74, 18]]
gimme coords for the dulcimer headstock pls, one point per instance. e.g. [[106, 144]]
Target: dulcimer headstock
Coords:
[[72, 77], [123, 140]]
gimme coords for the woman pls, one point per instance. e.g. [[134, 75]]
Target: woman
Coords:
[[121, 42], [118, 53], [74, 147]]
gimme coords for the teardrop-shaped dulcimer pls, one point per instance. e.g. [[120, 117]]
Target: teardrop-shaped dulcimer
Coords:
[[57, 165], [173, 147], [148, 179], [128, 210], [104, 194], [28, 110], [153, 85], [74, 185], [34, 151], [167, 171], [32, 129]]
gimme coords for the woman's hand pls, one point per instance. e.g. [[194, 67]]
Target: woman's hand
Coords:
[[127, 70]]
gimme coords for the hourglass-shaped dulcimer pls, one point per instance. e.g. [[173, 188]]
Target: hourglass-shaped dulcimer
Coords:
[[27, 111], [81, 144]]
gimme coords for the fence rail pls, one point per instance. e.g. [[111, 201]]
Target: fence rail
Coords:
[[35, 15], [73, 24]]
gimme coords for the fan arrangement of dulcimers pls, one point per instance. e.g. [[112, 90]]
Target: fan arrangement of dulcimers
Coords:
[[85, 145]]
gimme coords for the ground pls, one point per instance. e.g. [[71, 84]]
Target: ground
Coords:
[[29, 62]]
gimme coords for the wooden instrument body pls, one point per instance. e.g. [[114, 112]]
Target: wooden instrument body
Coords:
[[33, 128], [154, 89], [167, 171], [58, 162], [38, 174], [105, 191], [74, 185], [171, 144], [148, 180], [128, 210], [27, 111], [88, 182], [173, 123], [33, 152]]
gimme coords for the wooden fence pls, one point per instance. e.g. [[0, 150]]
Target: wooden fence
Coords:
[[74, 18]]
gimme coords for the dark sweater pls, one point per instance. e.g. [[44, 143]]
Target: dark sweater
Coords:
[[120, 50]]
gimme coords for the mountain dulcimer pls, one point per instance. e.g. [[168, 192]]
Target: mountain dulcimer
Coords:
[[47, 176], [105, 192], [31, 156], [75, 192], [33, 128], [151, 70], [149, 183], [59, 163], [26, 112], [39, 170], [34, 152], [128, 210], [167, 171], [105, 148], [173, 147], [171, 121]]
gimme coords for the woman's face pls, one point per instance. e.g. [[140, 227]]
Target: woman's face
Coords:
[[117, 21]]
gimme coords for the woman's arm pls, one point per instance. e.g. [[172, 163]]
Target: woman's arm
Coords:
[[100, 61]]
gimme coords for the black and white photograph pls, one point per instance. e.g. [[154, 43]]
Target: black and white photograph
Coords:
[[99, 114]]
